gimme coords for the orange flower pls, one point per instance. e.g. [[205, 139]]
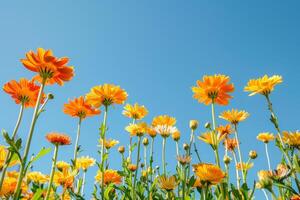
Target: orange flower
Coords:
[[244, 166], [132, 167], [106, 95], [176, 135], [48, 67], [151, 132], [163, 120], [265, 137], [110, 176], [234, 116], [209, 173], [80, 108], [137, 129], [292, 138], [135, 111], [58, 138], [264, 85], [224, 130], [167, 183], [23, 92], [214, 88], [211, 138], [230, 144]]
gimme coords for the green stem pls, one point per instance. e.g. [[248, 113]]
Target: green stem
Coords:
[[177, 153], [189, 151], [164, 155], [151, 161], [239, 150], [183, 182], [236, 170], [9, 155], [83, 183], [76, 148], [137, 166], [103, 131], [52, 171], [130, 144], [29, 138], [267, 154]]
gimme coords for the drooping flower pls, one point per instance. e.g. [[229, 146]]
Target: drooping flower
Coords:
[[109, 143], [265, 137], [230, 144], [292, 138], [48, 67], [215, 88], [85, 162], [78, 107], [163, 120], [234, 116], [62, 165], [244, 166], [37, 177], [106, 95], [23, 92], [58, 138], [135, 111], [167, 183], [224, 130], [3, 154], [176, 135], [110, 176], [209, 173], [211, 138], [264, 85], [138, 129]]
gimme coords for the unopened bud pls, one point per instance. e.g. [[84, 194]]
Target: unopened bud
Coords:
[[50, 96], [145, 141], [194, 124], [253, 154], [226, 160], [121, 149], [207, 125], [186, 146]]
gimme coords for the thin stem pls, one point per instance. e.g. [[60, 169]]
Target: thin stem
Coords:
[[213, 115], [137, 166], [164, 155], [217, 157], [151, 160], [76, 148], [29, 138], [9, 155], [267, 154], [130, 143], [189, 151], [236, 170], [145, 157], [83, 182], [103, 131], [239, 150], [177, 153], [183, 182], [265, 193], [52, 171]]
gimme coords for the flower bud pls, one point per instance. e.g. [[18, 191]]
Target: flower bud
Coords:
[[132, 167], [121, 149], [207, 125], [176, 135], [145, 141], [50, 96], [226, 160], [142, 165], [186, 146], [253, 154], [194, 124]]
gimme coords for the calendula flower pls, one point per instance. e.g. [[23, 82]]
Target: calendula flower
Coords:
[[85, 162], [151, 131], [244, 166], [78, 107], [167, 183], [183, 160], [264, 85], [165, 130], [110, 176], [64, 178], [24, 92], [234, 116], [230, 144], [109, 143], [209, 173], [224, 130], [197, 183], [295, 197], [138, 129], [48, 67], [163, 120], [264, 177], [282, 171], [37, 177], [62, 165], [213, 89], [132, 167], [135, 111], [292, 138], [3, 154], [265, 137], [176, 135], [13, 174], [106, 95], [9, 186], [211, 138], [58, 138]]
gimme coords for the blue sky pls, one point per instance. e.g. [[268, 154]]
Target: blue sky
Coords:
[[155, 50]]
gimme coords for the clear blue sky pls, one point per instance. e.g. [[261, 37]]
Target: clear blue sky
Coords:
[[156, 50]]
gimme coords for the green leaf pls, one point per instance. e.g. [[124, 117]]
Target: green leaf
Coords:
[[44, 151], [37, 194]]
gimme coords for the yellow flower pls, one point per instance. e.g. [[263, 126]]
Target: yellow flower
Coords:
[[264, 177], [211, 138], [64, 178], [109, 143], [151, 132], [110, 176], [209, 173], [137, 129], [62, 165], [9, 186], [166, 183], [163, 120], [37, 177], [230, 144], [234, 116], [176, 135], [106, 95], [224, 130], [214, 88], [264, 85], [194, 124], [292, 138], [3, 154], [165, 130], [85, 162], [265, 137], [183, 160], [244, 166], [135, 111], [132, 167]]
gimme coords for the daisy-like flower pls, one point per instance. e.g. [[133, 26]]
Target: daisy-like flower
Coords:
[[78, 107], [151, 131], [110, 176], [3, 155], [9, 186], [165, 130], [167, 183], [211, 138], [264, 85], [224, 130], [213, 89], [264, 177], [244, 166], [62, 165], [265, 137], [24, 92], [85, 162], [138, 129], [109, 143], [183, 160], [58, 138], [37, 177], [135, 111], [234, 116], [132, 167], [209, 173], [64, 178], [106, 95], [48, 67], [176, 135], [292, 138], [163, 120]]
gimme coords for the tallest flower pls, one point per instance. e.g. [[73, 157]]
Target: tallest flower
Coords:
[[48, 67]]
